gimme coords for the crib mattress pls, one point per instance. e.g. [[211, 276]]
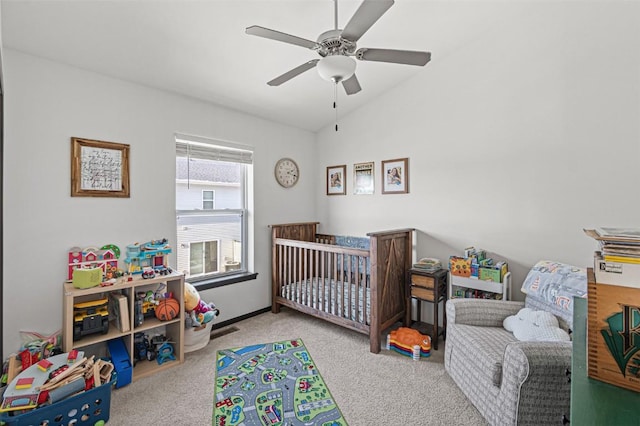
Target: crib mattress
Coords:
[[331, 296]]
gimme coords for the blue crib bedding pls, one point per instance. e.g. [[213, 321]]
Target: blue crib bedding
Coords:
[[363, 243], [328, 297]]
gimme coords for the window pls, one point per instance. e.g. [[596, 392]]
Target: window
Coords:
[[203, 258], [208, 199], [212, 198]]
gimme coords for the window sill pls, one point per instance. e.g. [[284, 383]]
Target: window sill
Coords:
[[210, 283]]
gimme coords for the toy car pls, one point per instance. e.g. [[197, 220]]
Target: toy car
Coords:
[[148, 273], [162, 270], [143, 349]]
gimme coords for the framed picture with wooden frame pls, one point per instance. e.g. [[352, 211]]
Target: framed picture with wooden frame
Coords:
[[99, 169], [395, 176], [337, 180]]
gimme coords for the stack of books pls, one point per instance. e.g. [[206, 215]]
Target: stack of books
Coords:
[[428, 264], [618, 260]]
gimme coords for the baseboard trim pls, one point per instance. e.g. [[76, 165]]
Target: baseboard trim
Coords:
[[240, 318]]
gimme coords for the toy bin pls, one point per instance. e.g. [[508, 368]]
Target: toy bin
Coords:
[[196, 338], [86, 408]]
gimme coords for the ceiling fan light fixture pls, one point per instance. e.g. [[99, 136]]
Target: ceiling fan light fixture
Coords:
[[336, 68]]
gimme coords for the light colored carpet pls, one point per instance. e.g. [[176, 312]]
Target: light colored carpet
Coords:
[[382, 389]]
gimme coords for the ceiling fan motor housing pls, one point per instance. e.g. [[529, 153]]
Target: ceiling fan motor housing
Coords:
[[331, 43]]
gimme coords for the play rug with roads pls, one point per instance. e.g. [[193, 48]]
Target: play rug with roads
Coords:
[[275, 384]]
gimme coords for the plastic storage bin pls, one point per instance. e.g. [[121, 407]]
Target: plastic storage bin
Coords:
[[86, 408]]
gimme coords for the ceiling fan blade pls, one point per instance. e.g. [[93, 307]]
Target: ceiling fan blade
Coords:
[[351, 85], [278, 36], [293, 73], [366, 15], [408, 57]]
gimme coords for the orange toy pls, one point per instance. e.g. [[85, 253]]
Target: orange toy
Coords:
[[460, 266], [167, 309], [409, 342]]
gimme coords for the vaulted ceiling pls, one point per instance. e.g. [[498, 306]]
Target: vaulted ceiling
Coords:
[[200, 49]]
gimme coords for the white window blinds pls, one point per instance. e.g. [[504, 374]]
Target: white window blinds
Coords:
[[210, 149]]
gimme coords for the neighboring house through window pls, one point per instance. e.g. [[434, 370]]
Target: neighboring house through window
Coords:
[[208, 199], [203, 257], [212, 195]]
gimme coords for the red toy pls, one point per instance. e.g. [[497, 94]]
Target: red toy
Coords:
[[44, 365]]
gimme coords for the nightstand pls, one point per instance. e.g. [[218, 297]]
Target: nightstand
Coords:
[[427, 287]]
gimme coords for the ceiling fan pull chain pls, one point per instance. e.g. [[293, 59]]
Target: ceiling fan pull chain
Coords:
[[335, 102]]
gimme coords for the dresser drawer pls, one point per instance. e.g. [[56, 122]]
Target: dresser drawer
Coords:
[[422, 293], [422, 281]]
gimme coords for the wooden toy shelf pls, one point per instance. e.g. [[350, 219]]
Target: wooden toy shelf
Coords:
[[174, 329]]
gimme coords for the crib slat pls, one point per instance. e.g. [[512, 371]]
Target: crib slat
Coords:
[[294, 278], [323, 265], [348, 291], [356, 296], [316, 262]]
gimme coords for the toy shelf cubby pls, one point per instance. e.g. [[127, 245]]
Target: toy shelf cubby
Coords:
[[173, 329], [493, 290]]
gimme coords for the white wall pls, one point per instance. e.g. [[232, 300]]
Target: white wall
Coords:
[[516, 142], [46, 104]]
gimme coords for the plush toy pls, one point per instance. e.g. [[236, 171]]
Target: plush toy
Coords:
[[530, 325], [199, 311]]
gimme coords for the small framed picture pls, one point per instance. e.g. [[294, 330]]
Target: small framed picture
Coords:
[[363, 178], [337, 180], [395, 176]]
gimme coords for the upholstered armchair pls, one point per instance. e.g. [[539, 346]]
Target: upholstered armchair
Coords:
[[512, 382]]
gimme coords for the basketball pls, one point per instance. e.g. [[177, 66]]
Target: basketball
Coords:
[[167, 309]]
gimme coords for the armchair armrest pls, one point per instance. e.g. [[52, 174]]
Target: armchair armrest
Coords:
[[481, 312], [534, 381]]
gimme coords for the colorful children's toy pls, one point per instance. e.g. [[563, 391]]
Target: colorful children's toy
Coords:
[[152, 254], [200, 313], [167, 309], [409, 342], [24, 390], [460, 266], [165, 353], [90, 317], [105, 258]]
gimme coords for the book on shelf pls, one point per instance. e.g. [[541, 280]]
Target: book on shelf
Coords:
[[119, 311]]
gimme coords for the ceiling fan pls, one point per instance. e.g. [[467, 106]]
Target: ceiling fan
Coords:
[[337, 47]]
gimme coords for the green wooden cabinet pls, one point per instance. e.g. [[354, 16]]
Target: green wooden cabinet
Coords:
[[594, 402]]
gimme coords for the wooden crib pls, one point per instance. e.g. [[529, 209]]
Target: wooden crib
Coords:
[[362, 289]]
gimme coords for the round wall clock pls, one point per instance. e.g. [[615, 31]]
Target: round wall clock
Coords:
[[287, 172]]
